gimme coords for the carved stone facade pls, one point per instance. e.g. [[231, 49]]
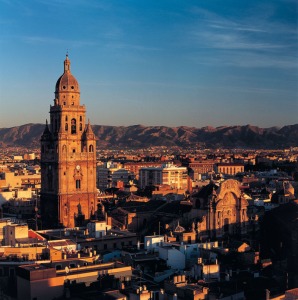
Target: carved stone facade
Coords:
[[68, 158], [223, 209]]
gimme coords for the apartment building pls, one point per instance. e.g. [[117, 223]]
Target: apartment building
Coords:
[[109, 174], [167, 174], [229, 168]]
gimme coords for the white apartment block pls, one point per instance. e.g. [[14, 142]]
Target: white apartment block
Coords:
[[168, 174], [110, 173]]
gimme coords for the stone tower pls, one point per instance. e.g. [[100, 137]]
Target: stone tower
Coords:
[[68, 159]]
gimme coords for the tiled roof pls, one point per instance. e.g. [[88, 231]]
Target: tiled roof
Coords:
[[176, 207], [136, 206]]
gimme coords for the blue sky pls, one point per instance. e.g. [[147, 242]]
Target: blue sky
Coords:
[[153, 62]]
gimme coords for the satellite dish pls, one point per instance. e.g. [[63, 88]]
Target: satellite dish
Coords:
[[66, 270]]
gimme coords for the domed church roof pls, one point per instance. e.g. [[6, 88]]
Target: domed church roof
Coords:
[[67, 82]]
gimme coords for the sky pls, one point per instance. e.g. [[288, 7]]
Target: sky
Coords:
[[156, 62]]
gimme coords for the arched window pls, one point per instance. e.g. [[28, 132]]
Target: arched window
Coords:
[[81, 118], [73, 126], [91, 148], [50, 180], [81, 127], [66, 119], [66, 127], [64, 148], [65, 210], [78, 184]]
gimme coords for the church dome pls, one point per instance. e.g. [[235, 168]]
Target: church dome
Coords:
[[67, 82]]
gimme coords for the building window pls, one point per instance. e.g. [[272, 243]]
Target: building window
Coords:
[[78, 184], [73, 126], [66, 127], [81, 118], [81, 127], [50, 179], [91, 148]]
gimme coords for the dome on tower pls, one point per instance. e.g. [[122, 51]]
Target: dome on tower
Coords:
[[67, 82]]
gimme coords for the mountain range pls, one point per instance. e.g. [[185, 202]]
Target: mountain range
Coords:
[[139, 136]]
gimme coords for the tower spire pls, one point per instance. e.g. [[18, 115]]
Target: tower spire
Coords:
[[67, 64]]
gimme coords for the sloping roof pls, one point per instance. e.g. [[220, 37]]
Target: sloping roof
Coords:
[[136, 206], [176, 207], [61, 243]]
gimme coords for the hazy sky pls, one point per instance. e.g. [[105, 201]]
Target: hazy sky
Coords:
[[153, 62]]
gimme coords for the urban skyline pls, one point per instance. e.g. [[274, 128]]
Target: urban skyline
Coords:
[[81, 223], [165, 63]]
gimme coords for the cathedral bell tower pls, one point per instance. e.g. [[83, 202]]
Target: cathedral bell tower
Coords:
[[68, 159]]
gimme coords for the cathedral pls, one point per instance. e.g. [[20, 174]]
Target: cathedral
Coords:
[[222, 209], [68, 159]]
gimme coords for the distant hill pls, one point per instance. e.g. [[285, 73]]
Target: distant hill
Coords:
[[139, 136]]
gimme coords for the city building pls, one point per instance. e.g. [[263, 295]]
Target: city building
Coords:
[[37, 281], [199, 168], [111, 174], [68, 158], [173, 176], [222, 209], [14, 180], [229, 168], [134, 167]]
